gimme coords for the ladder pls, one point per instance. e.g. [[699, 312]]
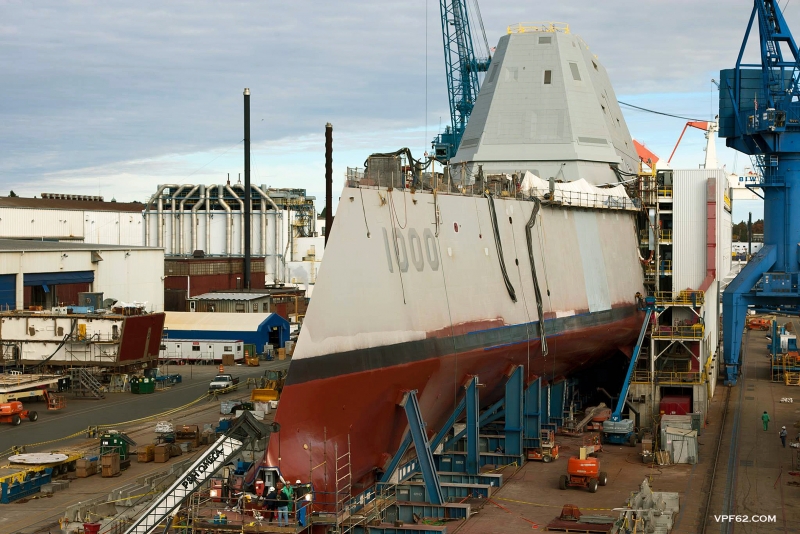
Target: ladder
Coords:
[[343, 478], [84, 384]]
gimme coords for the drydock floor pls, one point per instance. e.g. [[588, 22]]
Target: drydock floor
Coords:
[[753, 474]]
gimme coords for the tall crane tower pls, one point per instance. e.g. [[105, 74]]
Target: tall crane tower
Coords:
[[462, 68], [760, 116]]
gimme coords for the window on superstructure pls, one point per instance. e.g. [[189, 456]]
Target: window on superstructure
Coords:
[[548, 77], [576, 74], [196, 348], [594, 65]]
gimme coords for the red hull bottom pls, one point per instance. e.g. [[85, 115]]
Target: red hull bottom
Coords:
[[317, 415]]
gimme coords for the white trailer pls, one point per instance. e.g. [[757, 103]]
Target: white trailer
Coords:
[[201, 350]]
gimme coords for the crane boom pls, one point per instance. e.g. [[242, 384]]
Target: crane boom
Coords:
[[462, 68], [244, 431]]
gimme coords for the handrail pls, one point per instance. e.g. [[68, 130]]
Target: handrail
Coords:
[[549, 27], [667, 377], [695, 331], [685, 297]]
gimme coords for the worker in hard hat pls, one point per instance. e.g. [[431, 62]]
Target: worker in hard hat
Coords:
[[765, 420], [283, 504], [782, 434], [271, 503]]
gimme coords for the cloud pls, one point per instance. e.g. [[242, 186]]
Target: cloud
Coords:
[[120, 95]]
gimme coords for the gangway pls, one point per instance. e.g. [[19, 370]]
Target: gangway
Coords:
[[244, 431], [616, 430]]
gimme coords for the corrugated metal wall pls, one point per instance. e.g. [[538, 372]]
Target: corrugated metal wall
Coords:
[[99, 227], [113, 228], [38, 223], [689, 228]]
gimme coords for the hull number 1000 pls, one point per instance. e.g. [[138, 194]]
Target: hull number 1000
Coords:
[[412, 250]]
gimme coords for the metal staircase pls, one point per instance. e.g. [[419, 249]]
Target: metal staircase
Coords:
[[83, 384]]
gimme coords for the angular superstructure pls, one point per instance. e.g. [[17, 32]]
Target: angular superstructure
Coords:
[[546, 106]]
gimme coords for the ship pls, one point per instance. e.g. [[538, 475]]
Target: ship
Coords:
[[524, 253]]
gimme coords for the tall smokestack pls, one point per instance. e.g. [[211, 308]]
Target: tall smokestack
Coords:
[[749, 234], [328, 180], [247, 200]]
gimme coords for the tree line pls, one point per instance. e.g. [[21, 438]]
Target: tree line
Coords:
[[740, 230]]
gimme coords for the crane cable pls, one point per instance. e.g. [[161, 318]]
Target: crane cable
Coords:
[[657, 112]]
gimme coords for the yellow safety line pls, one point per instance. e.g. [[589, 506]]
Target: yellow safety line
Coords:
[[21, 448], [546, 505]]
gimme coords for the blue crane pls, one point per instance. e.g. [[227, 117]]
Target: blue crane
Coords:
[[462, 69], [760, 116], [617, 430]]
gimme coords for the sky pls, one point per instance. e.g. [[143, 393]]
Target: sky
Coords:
[[113, 98]]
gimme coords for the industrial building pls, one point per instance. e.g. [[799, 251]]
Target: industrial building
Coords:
[[86, 219], [50, 274], [199, 226], [259, 329], [287, 301], [196, 221]]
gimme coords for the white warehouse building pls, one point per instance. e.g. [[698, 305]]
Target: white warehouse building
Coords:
[[50, 274]]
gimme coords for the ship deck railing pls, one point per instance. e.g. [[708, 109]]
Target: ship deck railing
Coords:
[[577, 199], [694, 331], [681, 298], [664, 236], [667, 377]]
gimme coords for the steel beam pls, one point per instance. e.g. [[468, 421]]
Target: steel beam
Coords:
[[532, 414], [424, 454], [514, 413], [473, 426]]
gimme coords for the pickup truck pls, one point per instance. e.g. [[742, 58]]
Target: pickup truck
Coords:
[[223, 382]]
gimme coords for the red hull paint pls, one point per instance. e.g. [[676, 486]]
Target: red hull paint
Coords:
[[364, 405]]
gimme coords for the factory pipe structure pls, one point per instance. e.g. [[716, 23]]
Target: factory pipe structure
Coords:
[[180, 220], [157, 196], [200, 199], [238, 199], [328, 180], [228, 218], [276, 212], [247, 195], [175, 217], [209, 216]]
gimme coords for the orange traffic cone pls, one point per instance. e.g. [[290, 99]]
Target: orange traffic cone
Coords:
[[221, 369]]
